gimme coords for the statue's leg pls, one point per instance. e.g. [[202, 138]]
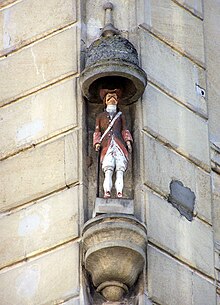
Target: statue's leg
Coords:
[[107, 185], [119, 183], [121, 166], [108, 166]]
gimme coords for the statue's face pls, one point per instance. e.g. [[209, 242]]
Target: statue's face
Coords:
[[111, 99]]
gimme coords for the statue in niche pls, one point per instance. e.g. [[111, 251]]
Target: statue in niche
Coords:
[[113, 141]]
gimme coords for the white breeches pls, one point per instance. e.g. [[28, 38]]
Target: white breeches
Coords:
[[114, 160]]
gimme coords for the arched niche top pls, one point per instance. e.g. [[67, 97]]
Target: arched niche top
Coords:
[[112, 62], [111, 74]]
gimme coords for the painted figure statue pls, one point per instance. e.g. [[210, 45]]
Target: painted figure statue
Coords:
[[113, 139]]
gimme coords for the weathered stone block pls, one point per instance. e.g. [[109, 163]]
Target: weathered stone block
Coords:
[[39, 171], [47, 279], [48, 222], [170, 282], [173, 72], [185, 32], [27, 27], [103, 206], [204, 292], [42, 62], [193, 5], [35, 118], [163, 165], [216, 205], [164, 274], [169, 230], [173, 123], [212, 45]]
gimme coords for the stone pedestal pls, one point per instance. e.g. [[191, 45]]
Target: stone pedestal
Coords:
[[114, 253], [111, 206]]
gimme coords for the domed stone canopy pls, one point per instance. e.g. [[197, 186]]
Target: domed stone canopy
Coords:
[[112, 62]]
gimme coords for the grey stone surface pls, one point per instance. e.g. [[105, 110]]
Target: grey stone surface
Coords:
[[108, 206], [191, 242], [171, 122], [163, 165], [176, 33], [182, 198], [172, 72], [212, 45], [171, 283], [46, 279]]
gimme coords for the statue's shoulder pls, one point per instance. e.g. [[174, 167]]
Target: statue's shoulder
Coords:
[[102, 115]]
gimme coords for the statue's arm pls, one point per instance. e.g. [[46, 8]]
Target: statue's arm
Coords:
[[126, 134]]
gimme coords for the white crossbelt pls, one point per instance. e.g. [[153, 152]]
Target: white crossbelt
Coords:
[[110, 125]]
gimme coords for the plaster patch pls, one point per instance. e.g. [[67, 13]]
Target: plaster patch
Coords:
[[29, 224], [27, 282], [29, 130]]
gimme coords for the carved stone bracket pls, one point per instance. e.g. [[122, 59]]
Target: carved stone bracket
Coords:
[[114, 250]]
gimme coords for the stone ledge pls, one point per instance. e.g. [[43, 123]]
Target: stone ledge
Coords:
[[109, 206]]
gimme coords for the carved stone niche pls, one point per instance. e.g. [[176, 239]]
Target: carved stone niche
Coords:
[[111, 62], [114, 253]]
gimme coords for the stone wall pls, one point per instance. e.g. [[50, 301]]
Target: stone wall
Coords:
[[41, 152], [175, 139], [43, 181]]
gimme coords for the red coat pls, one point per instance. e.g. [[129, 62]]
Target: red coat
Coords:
[[119, 130]]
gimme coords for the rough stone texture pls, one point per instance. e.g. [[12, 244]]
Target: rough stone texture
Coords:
[[39, 171], [42, 62], [175, 124], [173, 72], [26, 122], [171, 283], [211, 31], [42, 17], [173, 232], [177, 27], [26, 283], [196, 6], [45, 224], [159, 159], [107, 48]]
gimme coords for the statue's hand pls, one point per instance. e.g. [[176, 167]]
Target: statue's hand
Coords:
[[129, 146], [97, 147]]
